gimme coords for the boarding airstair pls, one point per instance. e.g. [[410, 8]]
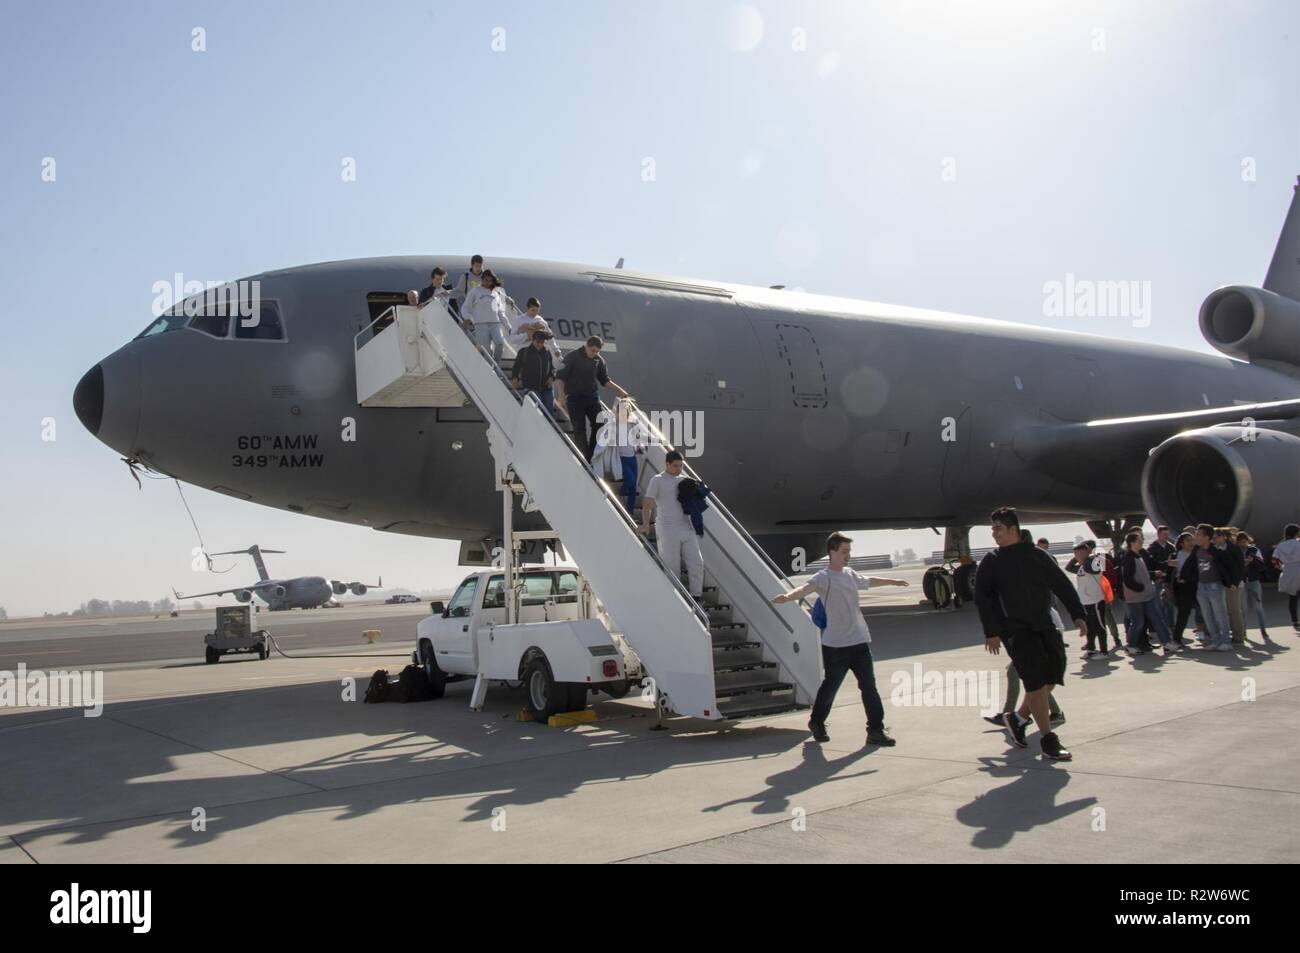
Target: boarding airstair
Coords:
[[731, 655]]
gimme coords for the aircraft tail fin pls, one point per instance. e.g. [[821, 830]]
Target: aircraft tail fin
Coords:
[[1284, 272], [256, 552]]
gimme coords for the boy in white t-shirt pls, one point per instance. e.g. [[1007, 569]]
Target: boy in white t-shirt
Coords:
[[845, 641]]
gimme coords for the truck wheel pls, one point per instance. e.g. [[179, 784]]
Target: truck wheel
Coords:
[[211, 655], [263, 652], [577, 696], [618, 689], [543, 696], [437, 677]]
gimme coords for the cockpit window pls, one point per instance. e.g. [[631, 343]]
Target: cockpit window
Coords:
[[164, 322], [214, 318], [218, 325], [267, 328]]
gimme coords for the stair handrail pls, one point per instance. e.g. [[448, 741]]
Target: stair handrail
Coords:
[[716, 503], [578, 457], [617, 505]]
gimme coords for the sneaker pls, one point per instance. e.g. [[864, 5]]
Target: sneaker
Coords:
[[1223, 647], [1057, 719], [880, 738], [818, 732], [1052, 748], [1087, 654], [1168, 648], [996, 720], [1016, 728]]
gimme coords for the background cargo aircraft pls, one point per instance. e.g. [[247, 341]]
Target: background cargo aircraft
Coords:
[[300, 592], [821, 413]]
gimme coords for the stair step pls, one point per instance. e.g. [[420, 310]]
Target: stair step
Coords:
[[729, 632], [763, 683], [726, 668], [737, 653], [751, 706]]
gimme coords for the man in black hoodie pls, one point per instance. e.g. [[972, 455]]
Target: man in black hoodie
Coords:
[[1013, 592]]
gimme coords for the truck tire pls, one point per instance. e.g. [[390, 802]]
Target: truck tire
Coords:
[[437, 677], [578, 694], [618, 689], [543, 696], [211, 655]]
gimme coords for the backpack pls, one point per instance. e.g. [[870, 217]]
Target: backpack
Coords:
[[412, 685], [1111, 581], [819, 615], [377, 690]]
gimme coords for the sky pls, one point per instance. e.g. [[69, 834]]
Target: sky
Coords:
[[949, 155]]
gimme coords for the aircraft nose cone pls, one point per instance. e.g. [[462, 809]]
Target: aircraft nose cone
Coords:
[[88, 399], [107, 400]]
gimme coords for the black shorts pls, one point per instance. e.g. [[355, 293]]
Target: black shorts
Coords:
[[1039, 657]]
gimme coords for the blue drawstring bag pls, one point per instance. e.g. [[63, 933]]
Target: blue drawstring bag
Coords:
[[819, 614]]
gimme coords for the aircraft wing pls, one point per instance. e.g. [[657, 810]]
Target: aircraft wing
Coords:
[[220, 592], [1115, 449]]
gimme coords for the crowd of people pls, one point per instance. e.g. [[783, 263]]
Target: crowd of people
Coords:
[[1209, 577]]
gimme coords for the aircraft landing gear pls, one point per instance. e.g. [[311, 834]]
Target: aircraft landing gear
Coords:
[[953, 581]]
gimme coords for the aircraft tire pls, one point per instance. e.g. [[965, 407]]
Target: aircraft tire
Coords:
[[937, 586], [964, 582], [211, 655]]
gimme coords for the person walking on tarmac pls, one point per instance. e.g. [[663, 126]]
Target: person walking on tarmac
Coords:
[[846, 638], [674, 535], [1013, 589]]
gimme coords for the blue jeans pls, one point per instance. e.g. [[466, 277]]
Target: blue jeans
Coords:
[[629, 481], [838, 663], [546, 396], [1149, 614], [1255, 597], [1212, 599]]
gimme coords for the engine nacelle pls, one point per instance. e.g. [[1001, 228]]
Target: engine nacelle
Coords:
[[278, 591], [244, 595], [1242, 476], [358, 588], [1252, 324], [339, 587]]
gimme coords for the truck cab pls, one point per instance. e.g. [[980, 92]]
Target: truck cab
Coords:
[[561, 646]]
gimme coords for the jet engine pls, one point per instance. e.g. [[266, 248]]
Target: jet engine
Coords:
[[1253, 325], [1231, 475], [244, 595], [358, 588], [339, 587], [278, 591]]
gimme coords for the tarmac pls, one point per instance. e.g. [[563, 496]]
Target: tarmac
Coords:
[[1190, 758]]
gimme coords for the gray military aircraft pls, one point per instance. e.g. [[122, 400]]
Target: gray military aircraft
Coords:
[[822, 413], [300, 592]]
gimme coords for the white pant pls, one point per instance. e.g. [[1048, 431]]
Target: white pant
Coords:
[[677, 546]]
